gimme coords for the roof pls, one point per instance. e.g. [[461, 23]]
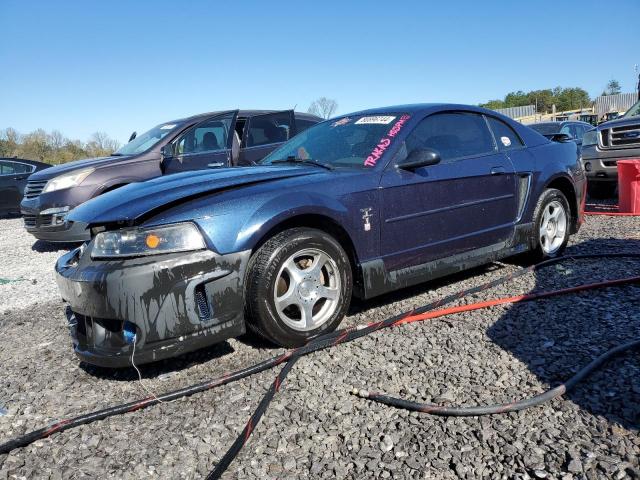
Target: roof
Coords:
[[244, 114], [24, 160]]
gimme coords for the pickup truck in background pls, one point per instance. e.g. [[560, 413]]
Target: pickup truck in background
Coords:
[[603, 146]]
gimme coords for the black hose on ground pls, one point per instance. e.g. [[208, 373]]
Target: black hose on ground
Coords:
[[503, 407], [319, 343]]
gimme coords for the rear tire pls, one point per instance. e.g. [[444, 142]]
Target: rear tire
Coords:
[[601, 190], [551, 225], [298, 286]]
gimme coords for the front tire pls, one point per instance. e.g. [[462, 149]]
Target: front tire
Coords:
[[299, 286], [552, 223]]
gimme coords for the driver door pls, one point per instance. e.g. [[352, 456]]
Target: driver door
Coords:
[[264, 133], [204, 145]]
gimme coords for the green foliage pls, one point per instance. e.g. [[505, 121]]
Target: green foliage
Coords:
[[613, 88], [53, 147], [563, 98]]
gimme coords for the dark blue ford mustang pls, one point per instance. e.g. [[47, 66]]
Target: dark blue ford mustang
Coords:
[[358, 205]]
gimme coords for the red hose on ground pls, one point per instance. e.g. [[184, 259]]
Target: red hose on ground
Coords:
[[515, 299]]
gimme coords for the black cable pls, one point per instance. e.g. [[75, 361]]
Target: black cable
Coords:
[[319, 343], [503, 407], [242, 439]]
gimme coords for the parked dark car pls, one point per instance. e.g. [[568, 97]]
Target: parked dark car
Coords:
[[366, 203], [574, 129], [602, 148], [208, 140], [13, 180]]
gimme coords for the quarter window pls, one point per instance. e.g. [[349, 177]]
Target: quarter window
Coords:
[[267, 129], [453, 135], [208, 136], [506, 137]]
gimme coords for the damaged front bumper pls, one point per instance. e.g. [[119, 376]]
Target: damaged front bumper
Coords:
[[175, 303]]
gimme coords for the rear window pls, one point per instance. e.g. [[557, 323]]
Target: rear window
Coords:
[[546, 128]]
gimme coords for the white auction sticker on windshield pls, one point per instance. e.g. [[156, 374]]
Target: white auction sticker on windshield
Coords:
[[168, 127], [376, 119]]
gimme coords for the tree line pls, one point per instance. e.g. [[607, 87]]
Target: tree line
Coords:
[[53, 147], [571, 98]]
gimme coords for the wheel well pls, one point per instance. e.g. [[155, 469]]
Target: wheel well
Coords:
[[566, 187], [326, 224]]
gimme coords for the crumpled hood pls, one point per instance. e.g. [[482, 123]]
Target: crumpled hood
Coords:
[[128, 204], [75, 165]]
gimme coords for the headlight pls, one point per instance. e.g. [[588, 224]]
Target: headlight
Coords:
[[590, 138], [180, 237], [67, 180]]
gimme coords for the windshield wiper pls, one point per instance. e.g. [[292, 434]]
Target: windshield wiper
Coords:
[[116, 154], [292, 159]]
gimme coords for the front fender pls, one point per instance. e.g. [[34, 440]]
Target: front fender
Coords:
[[282, 208]]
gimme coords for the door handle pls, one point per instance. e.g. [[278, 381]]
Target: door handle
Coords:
[[215, 164], [498, 170]]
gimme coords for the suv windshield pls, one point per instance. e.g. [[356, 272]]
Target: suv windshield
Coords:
[[356, 141], [633, 111], [147, 140]]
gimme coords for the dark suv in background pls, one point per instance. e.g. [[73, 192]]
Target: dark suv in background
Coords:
[[209, 140], [13, 180], [611, 141]]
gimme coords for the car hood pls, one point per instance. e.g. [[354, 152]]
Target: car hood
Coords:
[[620, 122], [75, 165], [129, 204]]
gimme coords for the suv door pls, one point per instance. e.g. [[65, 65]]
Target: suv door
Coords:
[[204, 145], [465, 202], [264, 133]]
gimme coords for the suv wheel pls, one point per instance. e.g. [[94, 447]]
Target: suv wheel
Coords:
[[552, 222], [299, 286]]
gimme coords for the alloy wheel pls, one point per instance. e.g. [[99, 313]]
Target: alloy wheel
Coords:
[[307, 289], [553, 227]]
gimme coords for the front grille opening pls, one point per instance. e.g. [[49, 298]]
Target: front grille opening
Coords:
[[100, 332], [202, 305], [34, 188]]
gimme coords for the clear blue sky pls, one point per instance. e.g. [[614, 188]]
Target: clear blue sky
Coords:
[[118, 66]]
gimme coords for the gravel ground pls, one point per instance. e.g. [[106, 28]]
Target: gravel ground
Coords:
[[315, 428]]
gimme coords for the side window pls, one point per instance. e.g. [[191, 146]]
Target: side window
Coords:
[[580, 131], [267, 129], [302, 125], [506, 137], [567, 129], [208, 136], [452, 135], [7, 168]]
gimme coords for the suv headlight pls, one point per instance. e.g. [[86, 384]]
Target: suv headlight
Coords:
[[590, 138], [179, 237], [67, 180]]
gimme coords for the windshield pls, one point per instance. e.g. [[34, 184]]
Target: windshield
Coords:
[[356, 141], [546, 128], [633, 111], [147, 140]]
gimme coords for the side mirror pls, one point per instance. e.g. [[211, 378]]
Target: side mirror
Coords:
[[133, 136], [166, 152], [420, 157], [561, 137]]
